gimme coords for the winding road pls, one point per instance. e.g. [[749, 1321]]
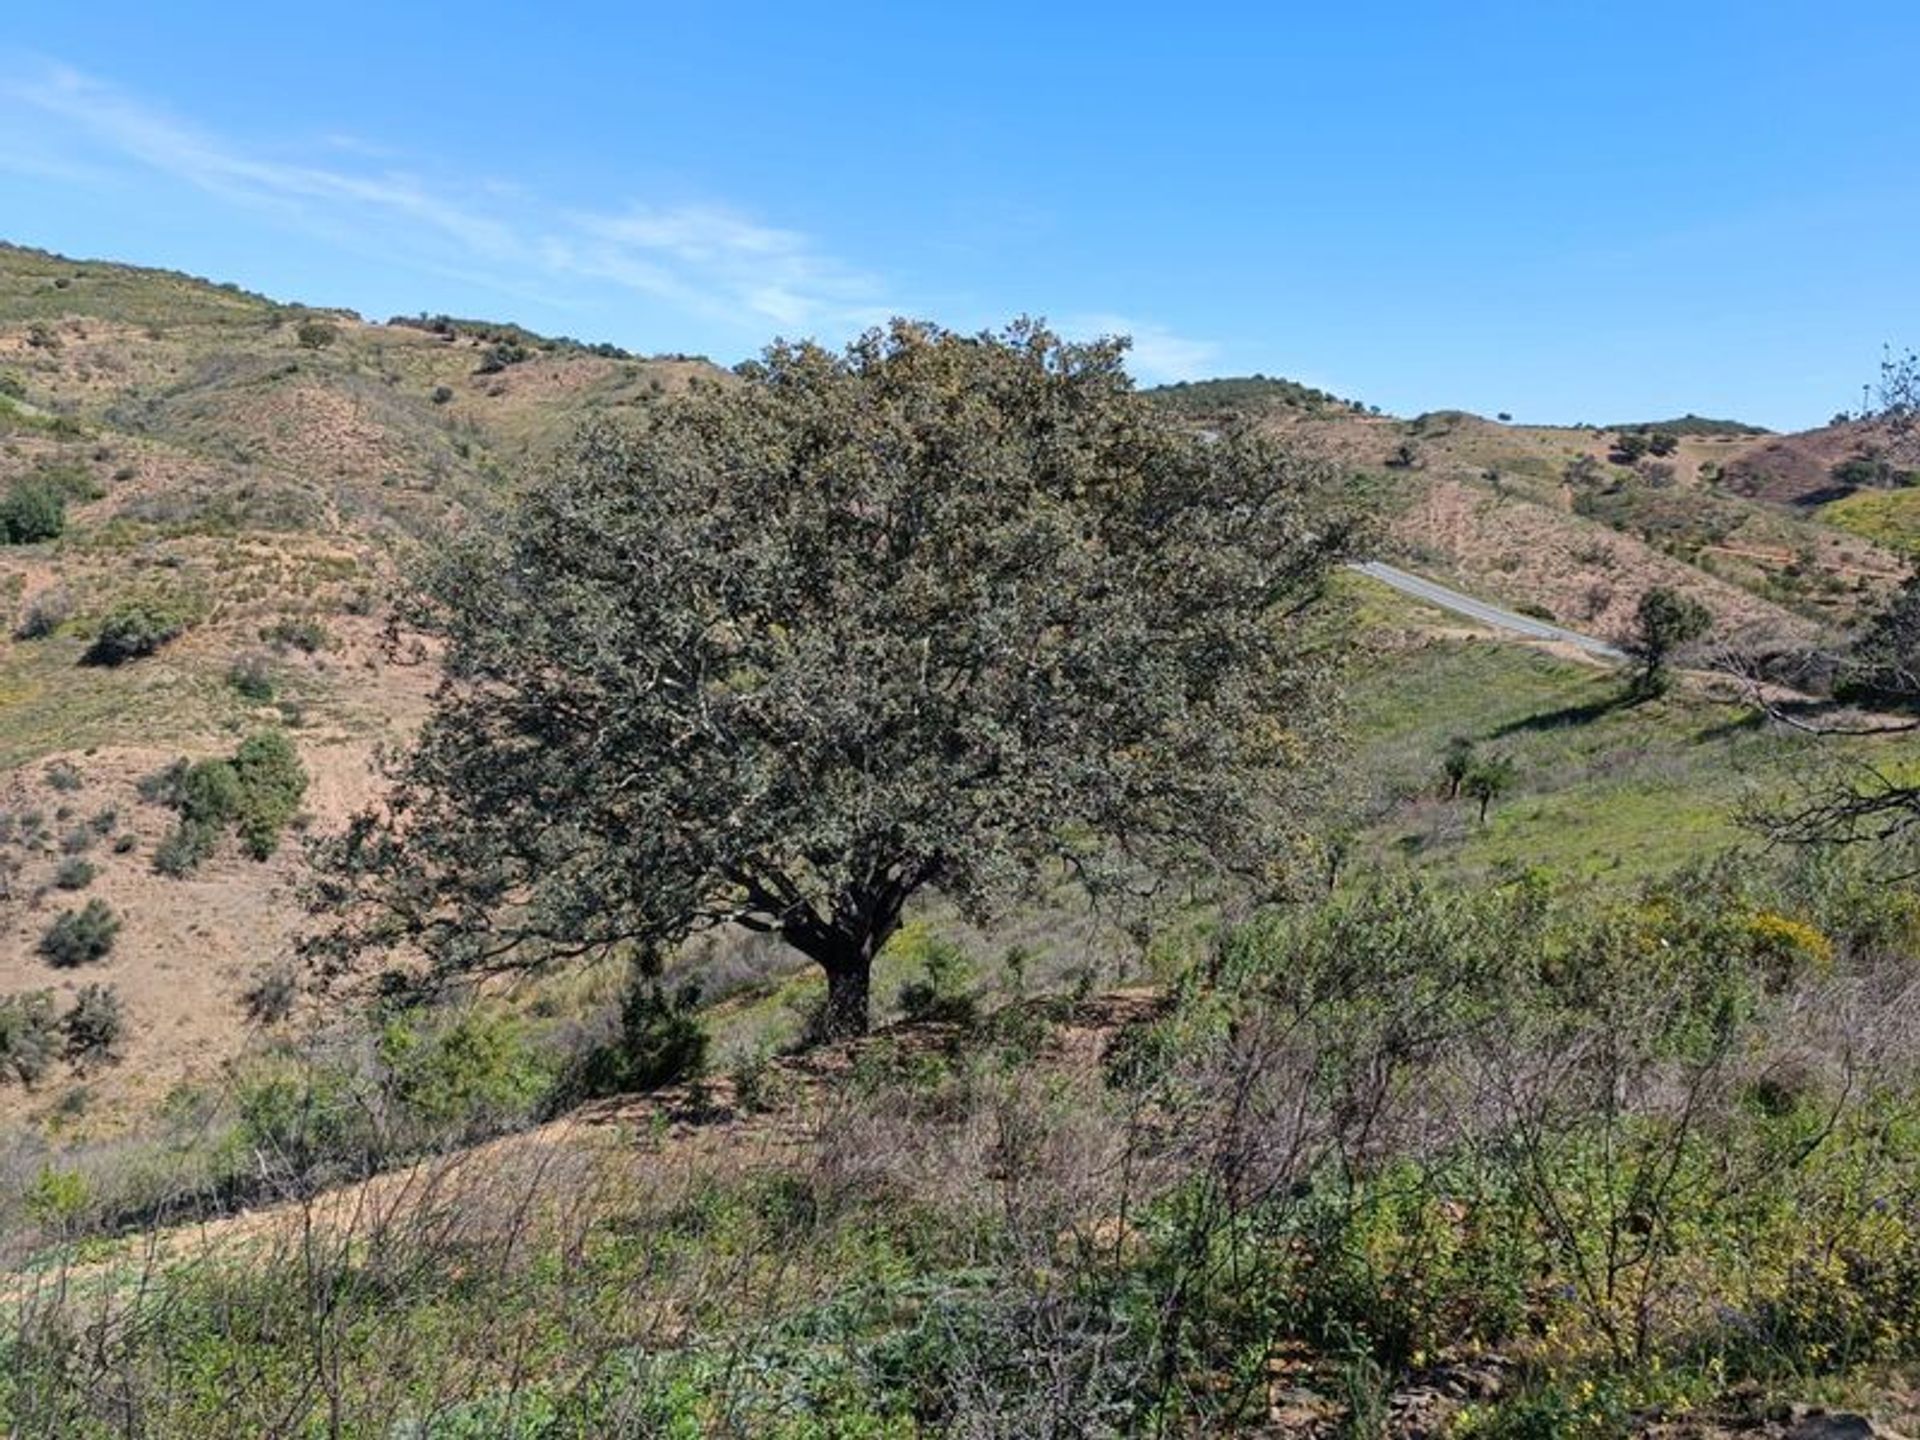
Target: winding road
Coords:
[[1494, 615]]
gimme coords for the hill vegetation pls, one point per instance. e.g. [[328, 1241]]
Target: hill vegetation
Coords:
[[1508, 1084]]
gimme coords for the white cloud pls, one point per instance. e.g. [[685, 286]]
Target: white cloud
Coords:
[[711, 257], [706, 259], [1158, 354]]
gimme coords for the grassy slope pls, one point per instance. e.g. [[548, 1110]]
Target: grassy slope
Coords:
[[1604, 792]]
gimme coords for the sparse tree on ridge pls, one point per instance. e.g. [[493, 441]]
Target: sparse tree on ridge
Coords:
[[946, 612]]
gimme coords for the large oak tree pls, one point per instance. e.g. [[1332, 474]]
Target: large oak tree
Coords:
[[948, 611]]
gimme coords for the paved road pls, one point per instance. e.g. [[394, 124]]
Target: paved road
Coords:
[[1486, 614]]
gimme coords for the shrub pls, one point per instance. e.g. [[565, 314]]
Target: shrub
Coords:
[[45, 613], [94, 1025], [941, 993], [252, 676], [75, 873], [661, 1040], [33, 510], [500, 355], [1628, 448], [302, 632], [81, 936], [164, 786], [26, 1035], [269, 1000], [133, 629], [211, 793], [272, 784], [183, 850], [258, 791], [442, 394], [316, 334], [467, 1078]]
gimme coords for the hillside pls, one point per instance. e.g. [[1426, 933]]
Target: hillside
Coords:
[[1498, 1128], [258, 471]]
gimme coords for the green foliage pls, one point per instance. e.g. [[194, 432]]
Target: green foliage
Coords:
[[57, 1197], [297, 632], [94, 1025], [941, 612], [133, 629], [942, 991], [316, 334], [1250, 394], [1486, 780], [1695, 425], [27, 1035], [272, 784], [1629, 447], [464, 1078], [1456, 763], [1664, 621], [661, 1040], [252, 677], [32, 510], [75, 873], [257, 792], [80, 937]]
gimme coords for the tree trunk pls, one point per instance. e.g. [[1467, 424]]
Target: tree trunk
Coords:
[[848, 984]]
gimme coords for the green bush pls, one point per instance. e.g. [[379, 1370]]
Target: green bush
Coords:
[[468, 1078], [252, 676], [94, 1025], [258, 791], [185, 848], [75, 873], [942, 991], [316, 334], [81, 936], [45, 613], [33, 510], [272, 784], [134, 629], [297, 632], [27, 1033], [662, 1041]]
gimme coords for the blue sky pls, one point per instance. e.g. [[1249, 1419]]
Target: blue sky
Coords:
[[1564, 210]]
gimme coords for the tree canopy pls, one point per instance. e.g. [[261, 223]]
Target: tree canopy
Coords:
[[1663, 622], [949, 611]]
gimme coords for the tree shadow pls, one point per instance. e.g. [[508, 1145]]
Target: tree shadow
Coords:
[[1566, 717]]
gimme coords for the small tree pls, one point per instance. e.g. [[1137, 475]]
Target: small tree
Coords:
[[943, 611], [1456, 763], [1487, 780], [1663, 621]]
